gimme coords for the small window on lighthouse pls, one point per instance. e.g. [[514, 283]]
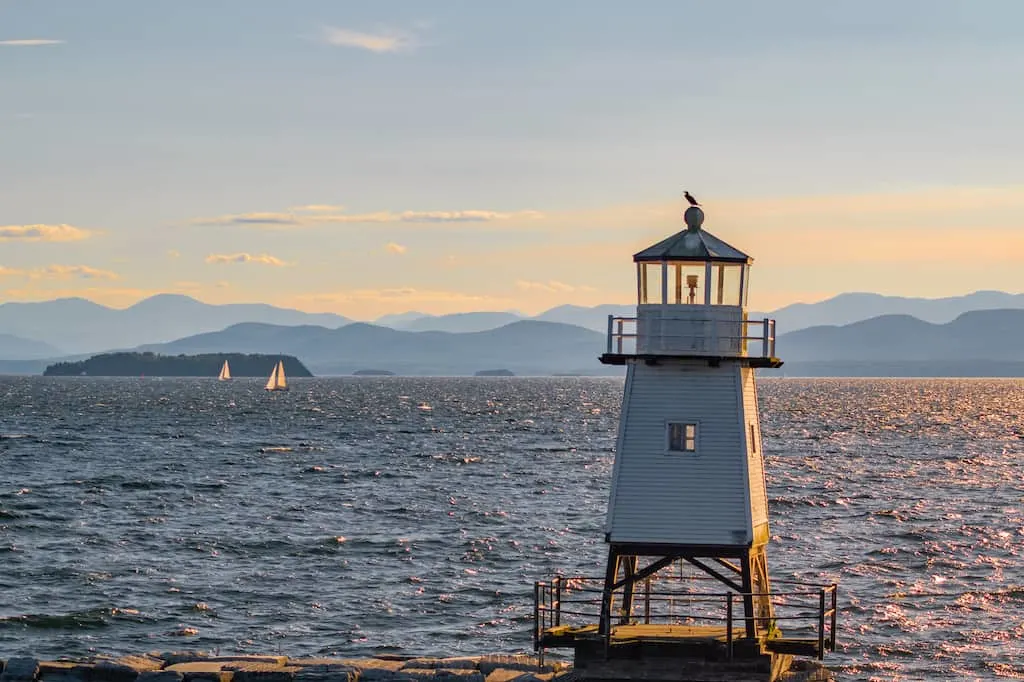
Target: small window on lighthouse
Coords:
[[682, 437]]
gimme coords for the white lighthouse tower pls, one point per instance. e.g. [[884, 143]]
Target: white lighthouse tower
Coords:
[[688, 489], [688, 481]]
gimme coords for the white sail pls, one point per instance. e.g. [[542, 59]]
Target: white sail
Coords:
[[225, 372], [277, 381]]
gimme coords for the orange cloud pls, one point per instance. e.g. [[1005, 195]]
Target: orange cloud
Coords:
[[320, 215], [392, 247], [262, 259], [71, 272]]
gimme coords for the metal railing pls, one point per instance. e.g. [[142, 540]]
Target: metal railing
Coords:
[[716, 337], [806, 612]]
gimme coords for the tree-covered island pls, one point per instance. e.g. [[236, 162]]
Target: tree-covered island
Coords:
[[154, 365]]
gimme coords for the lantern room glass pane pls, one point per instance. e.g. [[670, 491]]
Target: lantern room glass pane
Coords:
[[725, 282], [650, 283], [686, 283]]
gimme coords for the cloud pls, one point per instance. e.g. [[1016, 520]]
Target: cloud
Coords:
[[321, 215], [551, 286], [318, 208], [10, 272], [173, 253], [71, 272], [386, 40], [262, 259], [43, 233], [261, 218], [30, 42], [392, 247]]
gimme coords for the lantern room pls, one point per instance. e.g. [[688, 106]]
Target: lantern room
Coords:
[[692, 267], [692, 293]]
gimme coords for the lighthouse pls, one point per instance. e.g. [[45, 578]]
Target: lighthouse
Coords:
[[687, 528]]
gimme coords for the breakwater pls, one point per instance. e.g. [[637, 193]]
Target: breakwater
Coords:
[[180, 666], [187, 666]]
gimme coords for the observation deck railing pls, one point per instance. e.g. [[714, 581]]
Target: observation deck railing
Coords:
[[711, 337]]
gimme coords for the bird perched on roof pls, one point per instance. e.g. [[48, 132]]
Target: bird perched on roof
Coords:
[[689, 197]]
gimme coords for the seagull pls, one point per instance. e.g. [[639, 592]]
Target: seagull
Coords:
[[689, 197]]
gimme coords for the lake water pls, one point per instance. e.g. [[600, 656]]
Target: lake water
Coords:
[[367, 515]]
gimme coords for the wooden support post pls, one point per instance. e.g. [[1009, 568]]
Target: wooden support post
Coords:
[[748, 597], [832, 630], [607, 595], [728, 624], [821, 624]]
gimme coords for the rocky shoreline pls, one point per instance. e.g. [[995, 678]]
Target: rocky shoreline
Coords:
[[200, 667]]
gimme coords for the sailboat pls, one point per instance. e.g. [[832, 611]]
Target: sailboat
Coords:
[[277, 381], [225, 372]]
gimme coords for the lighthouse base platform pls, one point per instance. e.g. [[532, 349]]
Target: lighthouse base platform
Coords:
[[678, 653]]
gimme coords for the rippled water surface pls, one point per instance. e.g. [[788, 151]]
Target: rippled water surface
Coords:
[[370, 515]]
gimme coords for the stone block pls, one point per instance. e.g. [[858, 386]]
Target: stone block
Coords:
[[324, 670], [161, 676], [367, 664], [243, 658], [492, 662], [442, 675], [205, 671], [62, 671], [263, 672], [375, 669], [379, 675], [503, 675], [175, 657], [327, 673], [314, 662], [19, 669], [70, 676], [111, 671], [140, 664], [460, 663]]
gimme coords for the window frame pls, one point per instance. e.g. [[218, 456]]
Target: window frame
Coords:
[[688, 445]]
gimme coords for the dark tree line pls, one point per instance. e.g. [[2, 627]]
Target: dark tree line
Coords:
[[151, 364]]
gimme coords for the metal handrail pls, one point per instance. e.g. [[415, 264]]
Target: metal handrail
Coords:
[[553, 600]]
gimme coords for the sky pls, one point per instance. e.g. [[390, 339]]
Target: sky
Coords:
[[368, 158]]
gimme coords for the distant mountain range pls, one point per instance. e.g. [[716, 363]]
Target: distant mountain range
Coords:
[[526, 347], [17, 348], [839, 310], [977, 335], [854, 307], [78, 326], [567, 339]]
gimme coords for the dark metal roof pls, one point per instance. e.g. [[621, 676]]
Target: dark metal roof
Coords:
[[697, 245], [692, 244]]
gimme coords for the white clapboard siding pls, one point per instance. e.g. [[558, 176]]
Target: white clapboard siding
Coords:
[[755, 451], [679, 497]]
